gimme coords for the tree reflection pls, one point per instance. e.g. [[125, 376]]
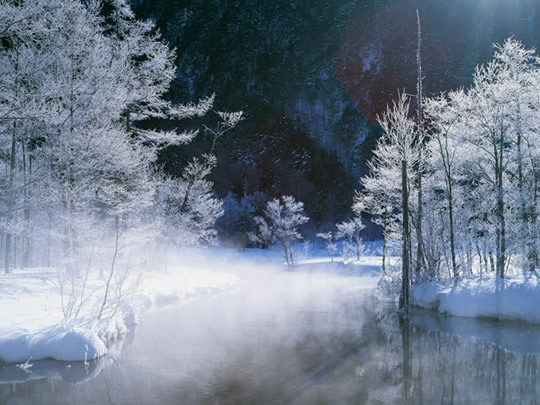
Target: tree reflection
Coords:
[[406, 352], [438, 367]]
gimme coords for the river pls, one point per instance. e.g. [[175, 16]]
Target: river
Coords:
[[295, 338]]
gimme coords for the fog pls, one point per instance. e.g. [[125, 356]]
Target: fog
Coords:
[[289, 335], [268, 339], [280, 321]]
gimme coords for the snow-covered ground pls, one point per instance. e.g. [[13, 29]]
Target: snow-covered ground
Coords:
[[32, 325], [515, 297]]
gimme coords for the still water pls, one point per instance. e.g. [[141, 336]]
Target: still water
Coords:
[[295, 338]]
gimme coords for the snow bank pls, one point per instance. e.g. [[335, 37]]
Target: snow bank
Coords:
[[516, 298], [32, 326], [58, 342]]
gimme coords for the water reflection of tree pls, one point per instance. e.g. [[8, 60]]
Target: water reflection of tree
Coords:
[[406, 351], [501, 375], [439, 368]]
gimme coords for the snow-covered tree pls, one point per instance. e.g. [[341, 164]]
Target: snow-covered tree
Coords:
[[330, 243], [393, 173], [479, 173], [283, 218], [81, 187], [190, 220], [351, 231], [481, 150], [80, 78]]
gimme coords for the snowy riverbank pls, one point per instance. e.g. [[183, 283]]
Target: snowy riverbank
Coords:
[[32, 324], [515, 297]]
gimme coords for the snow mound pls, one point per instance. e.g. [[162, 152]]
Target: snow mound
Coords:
[[516, 298], [32, 325], [58, 342]]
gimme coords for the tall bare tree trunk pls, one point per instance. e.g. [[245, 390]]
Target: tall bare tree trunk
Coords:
[[404, 297], [385, 225], [27, 245], [11, 202], [11, 185], [533, 224], [500, 229], [452, 235], [532, 250], [419, 236], [49, 230], [450, 198], [290, 252]]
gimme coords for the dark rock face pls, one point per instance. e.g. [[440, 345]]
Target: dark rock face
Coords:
[[324, 68], [279, 55]]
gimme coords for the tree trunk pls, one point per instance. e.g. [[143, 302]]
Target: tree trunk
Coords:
[[27, 245], [404, 298], [532, 254], [500, 232], [284, 246], [11, 202], [385, 225], [450, 196], [419, 236], [291, 254], [49, 231], [451, 219], [479, 253], [492, 262], [11, 189]]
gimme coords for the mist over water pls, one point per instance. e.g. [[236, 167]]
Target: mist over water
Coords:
[[296, 337]]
